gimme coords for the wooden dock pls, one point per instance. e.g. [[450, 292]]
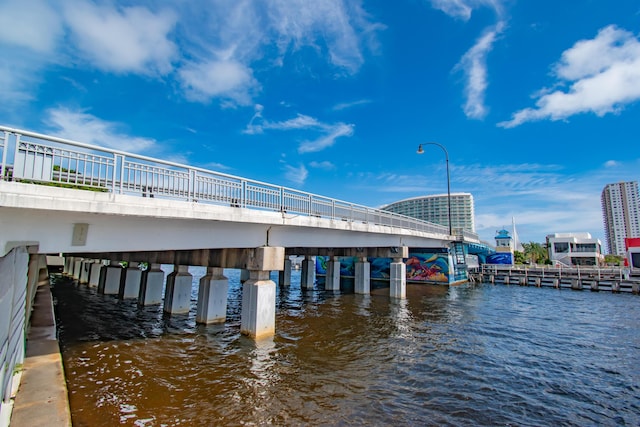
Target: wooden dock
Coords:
[[594, 279]]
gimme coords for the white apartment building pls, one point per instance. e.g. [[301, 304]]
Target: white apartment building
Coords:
[[574, 249], [621, 214], [435, 209]]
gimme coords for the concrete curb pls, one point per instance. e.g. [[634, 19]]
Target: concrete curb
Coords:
[[42, 399]]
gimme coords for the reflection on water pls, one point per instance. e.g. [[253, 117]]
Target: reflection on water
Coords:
[[472, 355]]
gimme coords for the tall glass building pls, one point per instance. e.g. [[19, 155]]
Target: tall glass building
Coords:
[[435, 209], [621, 212]]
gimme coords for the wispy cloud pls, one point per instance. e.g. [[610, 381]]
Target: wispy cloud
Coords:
[[474, 65], [603, 75], [329, 132], [83, 127], [543, 198], [216, 61], [347, 105], [297, 175], [334, 132], [324, 165], [462, 9]]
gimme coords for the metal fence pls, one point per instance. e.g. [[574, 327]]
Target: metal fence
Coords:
[[40, 159]]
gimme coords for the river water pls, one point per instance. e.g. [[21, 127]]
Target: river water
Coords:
[[489, 355]]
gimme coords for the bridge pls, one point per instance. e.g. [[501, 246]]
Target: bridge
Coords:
[[99, 207]]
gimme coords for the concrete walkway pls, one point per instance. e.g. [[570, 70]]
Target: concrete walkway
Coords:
[[42, 398]]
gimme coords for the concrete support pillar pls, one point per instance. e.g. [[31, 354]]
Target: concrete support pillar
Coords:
[[398, 279], [212, 297], [177, 295], [576, 284], [85, 270], [284, 276], [69, 262], [308, 277], [110, 276], [332, 282], [151, 284], [258, 306], [244, 275], [94, 274], [130, 285], [363, 277], [77, 266]]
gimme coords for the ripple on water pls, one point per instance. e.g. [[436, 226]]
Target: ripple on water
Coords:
[[481, 355]]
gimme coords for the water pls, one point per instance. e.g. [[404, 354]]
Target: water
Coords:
[[491, 355]]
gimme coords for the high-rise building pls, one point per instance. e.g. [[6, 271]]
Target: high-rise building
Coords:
[[621, 212], [435, 209]]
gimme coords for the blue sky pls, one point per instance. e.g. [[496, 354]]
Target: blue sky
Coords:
[[536, 101]]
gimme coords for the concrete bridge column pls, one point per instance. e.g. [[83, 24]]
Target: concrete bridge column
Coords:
[[94, 274], [244, 275], [212, 297], [110, 276], [130, 286], [332, 282], [398, 279], [284, 276], [177, 295], [85, 268], [308, 277], [363, 277], [258, 318], [258, 306], [151, 284], [69, 262], [77, 266]]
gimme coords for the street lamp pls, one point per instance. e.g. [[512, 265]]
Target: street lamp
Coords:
[[446, 156]]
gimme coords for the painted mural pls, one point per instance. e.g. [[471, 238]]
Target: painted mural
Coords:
[[423, 265], [500, 258]]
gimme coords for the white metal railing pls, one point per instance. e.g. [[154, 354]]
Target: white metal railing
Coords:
[[36, 158]]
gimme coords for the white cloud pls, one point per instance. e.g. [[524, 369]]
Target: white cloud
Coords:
[[132, 39], [89, 129], [218, 79], [603, 76], [327, 140], [329, 131], [324, 165], [296, 175], [337, 26], [474, 66], [32, 24], [462, 9], [347, 105]]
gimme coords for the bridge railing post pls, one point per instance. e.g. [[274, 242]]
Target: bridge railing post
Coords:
[[191, 195], [118, 173], [4, 145]]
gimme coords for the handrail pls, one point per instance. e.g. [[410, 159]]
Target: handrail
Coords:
[[37, 158]]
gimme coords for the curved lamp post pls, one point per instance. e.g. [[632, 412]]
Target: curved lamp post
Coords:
[[446, 156]]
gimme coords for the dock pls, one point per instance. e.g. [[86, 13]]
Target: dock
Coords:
[[596, 279]]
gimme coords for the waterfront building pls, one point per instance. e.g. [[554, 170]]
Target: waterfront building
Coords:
[[505, 246], [434, 209], [570, 249], [621, 213]]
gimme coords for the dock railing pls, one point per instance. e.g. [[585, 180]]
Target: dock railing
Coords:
[[31, 157]]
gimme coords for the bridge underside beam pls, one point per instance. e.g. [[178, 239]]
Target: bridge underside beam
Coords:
[[265, 258], [374, 252]]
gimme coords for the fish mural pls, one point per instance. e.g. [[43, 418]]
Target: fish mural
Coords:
[[430, 265]]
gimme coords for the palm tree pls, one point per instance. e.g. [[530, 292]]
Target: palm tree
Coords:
[[534, 252]]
